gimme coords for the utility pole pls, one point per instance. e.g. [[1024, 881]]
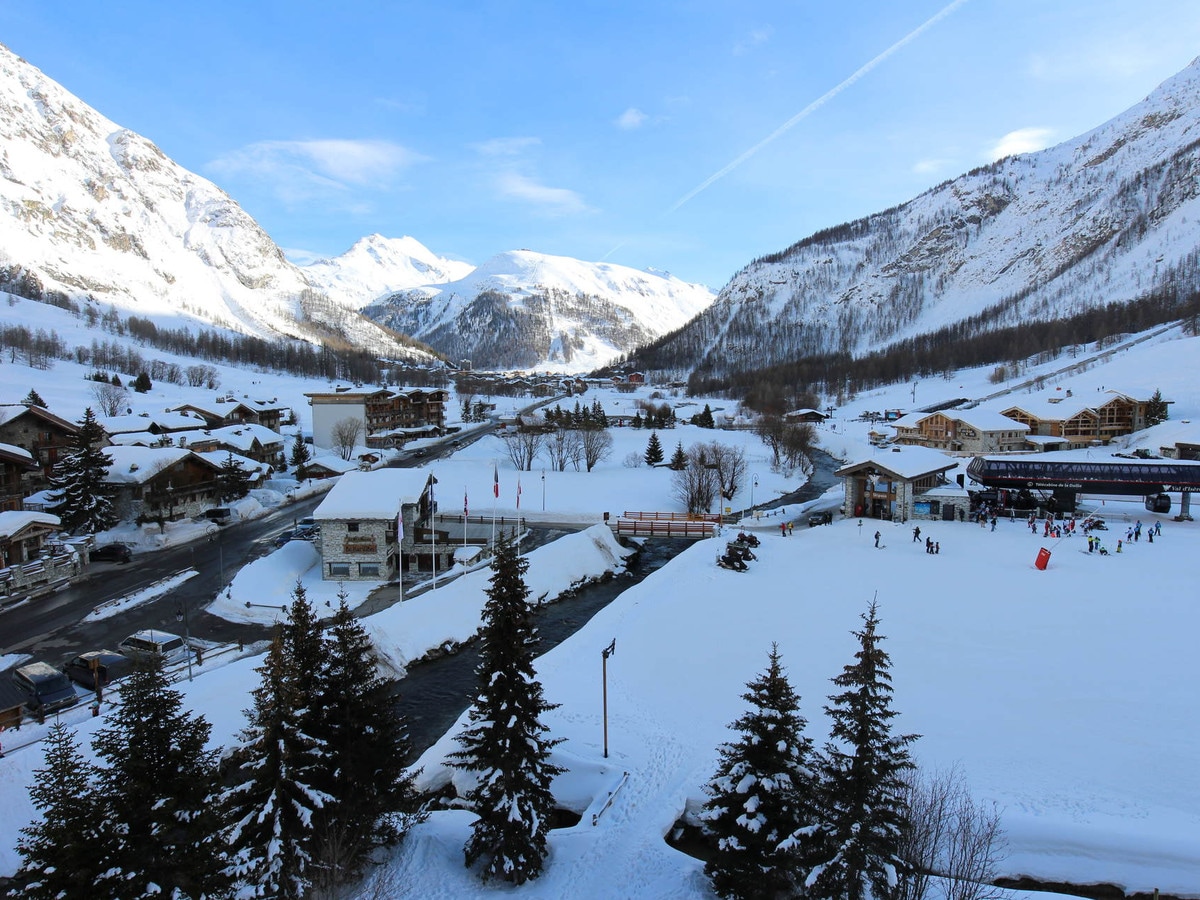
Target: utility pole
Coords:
[[604, 655]]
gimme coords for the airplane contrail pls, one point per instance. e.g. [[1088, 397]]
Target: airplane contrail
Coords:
[[817, 104]]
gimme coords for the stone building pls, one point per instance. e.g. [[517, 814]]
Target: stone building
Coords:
[[890, 483]]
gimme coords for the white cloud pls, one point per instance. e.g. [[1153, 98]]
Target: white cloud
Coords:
[[756, 37], [1023, 140], [932, 166], [630, 119], [299, 170], [511, 146], [550, 200]]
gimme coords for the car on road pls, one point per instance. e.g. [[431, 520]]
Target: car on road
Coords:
[[824, 517], [98, 668], [154, 644], [115, 552], [46, 689], [222, 515], [283, 537]]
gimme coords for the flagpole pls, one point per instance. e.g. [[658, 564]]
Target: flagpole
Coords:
[[466, 515], [495, 497], [433, 533]]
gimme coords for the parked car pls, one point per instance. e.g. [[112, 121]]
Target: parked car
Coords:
[[306, 533], [824, 517], [98, 668], [283, 537], [46, 689], [222, 515], [116, 552], [151, 644]]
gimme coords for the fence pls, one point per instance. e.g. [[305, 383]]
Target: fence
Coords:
[[671, 517], [675, 528]]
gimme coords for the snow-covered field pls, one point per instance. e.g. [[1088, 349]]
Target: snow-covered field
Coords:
[[1067, 696]]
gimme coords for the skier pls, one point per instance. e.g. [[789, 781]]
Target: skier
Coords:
[[916, 534], [877, 536]]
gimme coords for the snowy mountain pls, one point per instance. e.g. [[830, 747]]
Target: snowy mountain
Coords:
[[93, 209], [526, 310], [1110, 216], [376, 266]]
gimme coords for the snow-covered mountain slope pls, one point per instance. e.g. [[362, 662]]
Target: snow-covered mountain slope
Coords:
[[528, 310], [91, 208], [376, 266], [1110, 216]]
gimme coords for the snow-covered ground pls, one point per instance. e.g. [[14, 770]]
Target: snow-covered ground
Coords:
[[1067, 695]]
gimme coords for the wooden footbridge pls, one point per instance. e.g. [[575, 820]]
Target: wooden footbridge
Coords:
[[667, 524]]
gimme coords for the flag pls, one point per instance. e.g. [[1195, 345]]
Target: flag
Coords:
[[465, 513], [518, 492], [400, 525], [495, 482]]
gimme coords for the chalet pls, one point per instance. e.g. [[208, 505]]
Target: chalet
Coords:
[[798, 416], [328, 465], [155, 484], [962, 431], [360, 540], [47, 437], [17, 470], [380, 411], [30, 561], [158, 423], [1081, 421], [888, 484], [256, 442]]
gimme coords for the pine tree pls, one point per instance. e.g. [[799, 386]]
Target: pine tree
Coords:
[[762, 793], [1156, 409], [654, 451], [599, 417], [505, 742], [856, 850], [83, 498], [704, 418], [637, 422], [159, 822], [233, 481], [679, 458], [365, 743], [142, 384], [60, 855], [300, 454], [278, 764], [33, 398]]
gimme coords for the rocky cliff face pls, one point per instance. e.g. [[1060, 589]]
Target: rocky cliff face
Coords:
[[1109, 216]]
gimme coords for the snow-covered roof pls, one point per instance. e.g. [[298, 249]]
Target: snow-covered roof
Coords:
[[906, 462], [13, 450], [987, 420], [1046, 440], [13, 521], [166, 421], [243, 436], [219, 457], [949, 491], [1059, 405], [135, 438], [332, 463], [137, 465], [372, 495]]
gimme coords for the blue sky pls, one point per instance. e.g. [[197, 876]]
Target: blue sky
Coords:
[[650, 134]]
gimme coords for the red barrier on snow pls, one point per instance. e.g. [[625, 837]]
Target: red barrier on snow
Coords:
[[1043, 558]]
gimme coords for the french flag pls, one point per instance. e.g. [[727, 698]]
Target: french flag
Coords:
[[518, 492], [495, 482]]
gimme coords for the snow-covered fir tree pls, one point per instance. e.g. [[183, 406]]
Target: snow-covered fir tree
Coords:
[[233, 481], [856, 849], [505, 743], [300, 454], [654, 450], [679, 458], [33, 398], [83, 498], [365, 744], [60, 853], [159, 816], [277, 765], [762, 793]]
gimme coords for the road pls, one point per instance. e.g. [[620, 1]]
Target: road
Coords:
[[50, 627]]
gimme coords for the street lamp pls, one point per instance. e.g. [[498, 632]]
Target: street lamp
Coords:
[[543, 490], [181, 612], [604, 655], [753, 485]]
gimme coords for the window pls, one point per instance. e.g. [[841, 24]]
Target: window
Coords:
[[352, 527], [337, 568], [371, 569]]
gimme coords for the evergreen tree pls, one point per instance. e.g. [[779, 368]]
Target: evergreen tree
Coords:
[[1156, 409], [115, 381], [277, 766], [300, 454], [142, 384], [599, 417], [60, 855], [33, 398], [856, 850], [466, 409], [704, 418], [159, 825], [83, 498], [365, 743], [679, 458], [505, 742], [654, 450], [762, 794], [637, 422], [233, 481], [480, 411]]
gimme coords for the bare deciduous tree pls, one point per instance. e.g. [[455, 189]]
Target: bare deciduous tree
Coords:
[[597, 445], [729, 463], [798, 443], [953, 843], [110, 398], [523, 448], [345, 435], [696, 485], [564, 446]]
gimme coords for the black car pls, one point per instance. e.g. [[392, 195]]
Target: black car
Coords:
[[46, 689], [98, 668], [824, 517], [119, 553]]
